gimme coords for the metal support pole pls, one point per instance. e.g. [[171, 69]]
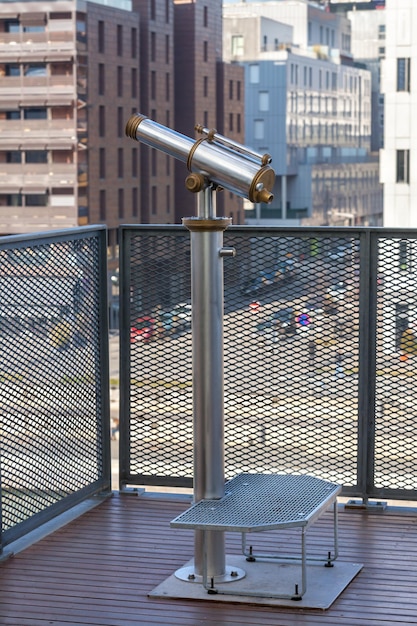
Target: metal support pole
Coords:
[[208, 377]]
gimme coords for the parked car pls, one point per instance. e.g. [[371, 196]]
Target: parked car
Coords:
[[281, 322], [144, 328], [177, 319]]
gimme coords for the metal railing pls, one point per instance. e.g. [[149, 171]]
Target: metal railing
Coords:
[[54, 384], [319, 350]]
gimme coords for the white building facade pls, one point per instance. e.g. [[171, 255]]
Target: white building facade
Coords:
[[399, 85], [308, 106]]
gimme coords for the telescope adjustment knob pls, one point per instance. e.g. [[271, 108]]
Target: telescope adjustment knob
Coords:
[[195, 182]]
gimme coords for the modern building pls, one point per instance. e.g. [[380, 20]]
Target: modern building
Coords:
[[206, 92], [69, 80], [309, 105], [399, 86], [155, 90]]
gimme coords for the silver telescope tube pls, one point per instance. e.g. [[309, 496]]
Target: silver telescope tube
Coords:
[[231, 169]]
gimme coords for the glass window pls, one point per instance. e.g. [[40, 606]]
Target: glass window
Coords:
[[12, 115], [237, 45], [120, 163], [403, 74], [120, 80], [36, 199], [134, 82], [12, 69], [121, 203], [102, 163], [101, 39], [153, 46], [205, 16], [101, 121], [205, 51], [36, 156], [101, 79], [102, 205], [35, 114], [134, 162], [134, 43], [134, 201], [12, 26], [254, 73], [264, 100], [13, 156], [403, 166], [120, 122], [34, 69], [259, 129], [119, 40]]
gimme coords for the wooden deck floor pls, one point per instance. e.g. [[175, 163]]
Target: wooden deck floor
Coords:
[[99, 569]]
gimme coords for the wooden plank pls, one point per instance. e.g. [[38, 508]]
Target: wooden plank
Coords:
[[98, 570]]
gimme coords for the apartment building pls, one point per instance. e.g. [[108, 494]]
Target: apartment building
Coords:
[[309, 105], [206, 92], [399, 86], [68, 81], [156, 100]]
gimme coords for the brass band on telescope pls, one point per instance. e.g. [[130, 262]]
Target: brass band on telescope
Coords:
[[133, 123]]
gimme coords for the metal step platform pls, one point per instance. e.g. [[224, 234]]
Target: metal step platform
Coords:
[[261, 502]]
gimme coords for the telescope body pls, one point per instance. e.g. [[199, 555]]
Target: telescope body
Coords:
[[243, 173]]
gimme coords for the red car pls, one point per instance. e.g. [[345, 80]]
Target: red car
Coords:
[[144, 328]]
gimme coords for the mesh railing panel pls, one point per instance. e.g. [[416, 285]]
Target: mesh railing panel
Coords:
[[51, 392], [291, 343], [395, 446]]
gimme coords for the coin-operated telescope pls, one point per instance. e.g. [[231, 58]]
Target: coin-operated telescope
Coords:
[[214, 162], [212, 158]]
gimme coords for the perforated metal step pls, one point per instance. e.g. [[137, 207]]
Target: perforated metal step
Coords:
[[257, 502]]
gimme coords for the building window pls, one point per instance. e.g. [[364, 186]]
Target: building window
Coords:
[[119, 40], [238, 90], [120, 80], [167, 55], [101, 79], [206, 120], [102, 163], [120, 122], [35, 114], [167, 3], [404, 255], [152, 10], [403, 166], [167, 87], [403, 74], [264, 100], [135, 201], [36, 156], [102, 203], [254, 74], [153, 199], [205, 86], [230, 90], [168, 200], [101, 39], [238, 123], [134, 43], [205, 16], [153, 162], [205, 51], [134, 82], [101, 121], [258, 129], [231, 122], [237, 45], [12, 69], [153, 85], [120, 164], [153, 46], [134, 162], [121, 203]]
